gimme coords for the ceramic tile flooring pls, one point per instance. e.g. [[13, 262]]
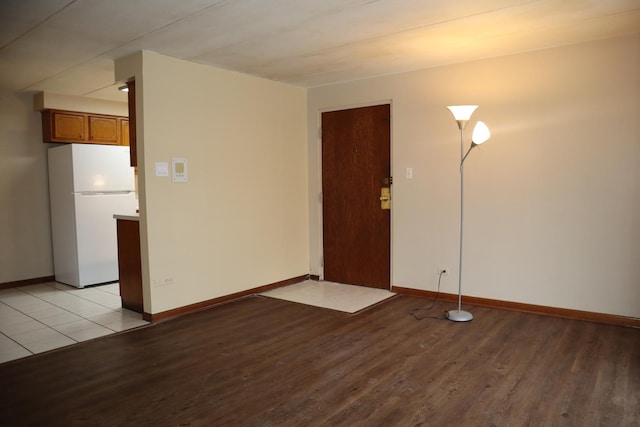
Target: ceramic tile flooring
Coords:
[[39, 318], [335, 296]]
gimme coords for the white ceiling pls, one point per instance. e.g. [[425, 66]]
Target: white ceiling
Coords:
[[68, 46]]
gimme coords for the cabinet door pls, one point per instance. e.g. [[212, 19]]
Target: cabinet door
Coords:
[[67, 127], [124, 132], [133, 150], [103, 130], [129, 265]]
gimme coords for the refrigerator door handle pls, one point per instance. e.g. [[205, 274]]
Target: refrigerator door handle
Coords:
[[103, 193]]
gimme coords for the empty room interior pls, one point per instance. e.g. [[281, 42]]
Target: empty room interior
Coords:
[[316, 233]]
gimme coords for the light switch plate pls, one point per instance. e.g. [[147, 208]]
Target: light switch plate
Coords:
[[408, 173], [162, 169], [179, 170]]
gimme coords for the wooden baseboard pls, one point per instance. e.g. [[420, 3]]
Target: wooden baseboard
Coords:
[[610, 319], [314, 277], [27, 282], [180, 311]]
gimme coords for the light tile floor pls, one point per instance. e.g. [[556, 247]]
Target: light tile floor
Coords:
[[335, 296], [38, 318]]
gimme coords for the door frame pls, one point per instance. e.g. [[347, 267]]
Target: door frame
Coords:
[[320, 224]]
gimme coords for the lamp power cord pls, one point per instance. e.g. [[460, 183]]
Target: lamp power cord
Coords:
[[433, 303]]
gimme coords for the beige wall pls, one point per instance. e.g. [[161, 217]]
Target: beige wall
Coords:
[[25, 230], [241, 220], [56, 101], [552, 213], [553, 199], [25, 224]]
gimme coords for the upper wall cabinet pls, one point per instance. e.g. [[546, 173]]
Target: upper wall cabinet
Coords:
[[103, 130], [88, 128], [124, 132], [131, 125], [64, 126]]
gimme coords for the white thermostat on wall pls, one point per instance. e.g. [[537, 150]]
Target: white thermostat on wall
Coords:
[[179, 169]]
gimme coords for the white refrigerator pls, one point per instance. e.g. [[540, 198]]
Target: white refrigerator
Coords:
[[88, 184]]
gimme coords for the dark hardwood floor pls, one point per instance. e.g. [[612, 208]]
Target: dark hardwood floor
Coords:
[[265, 362]]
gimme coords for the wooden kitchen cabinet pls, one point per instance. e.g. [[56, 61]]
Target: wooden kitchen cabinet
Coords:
[[124, 132], [133, 146], [85, 128], [64, 126], [129, 265], [103, 130]]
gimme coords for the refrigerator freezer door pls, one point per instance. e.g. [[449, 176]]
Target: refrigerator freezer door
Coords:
[[97, 236], [101, 168]]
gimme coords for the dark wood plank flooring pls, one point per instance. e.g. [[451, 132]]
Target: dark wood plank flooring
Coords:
[[265, 362]]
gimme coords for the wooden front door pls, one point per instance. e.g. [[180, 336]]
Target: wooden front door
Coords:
[[356, 146]]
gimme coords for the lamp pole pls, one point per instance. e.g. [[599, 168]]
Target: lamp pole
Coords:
[[460, 315], [462, 114]]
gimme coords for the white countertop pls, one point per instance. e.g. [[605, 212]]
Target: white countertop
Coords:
[[130, 217]]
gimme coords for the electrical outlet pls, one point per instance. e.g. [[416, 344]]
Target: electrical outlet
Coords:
[[163, 282]]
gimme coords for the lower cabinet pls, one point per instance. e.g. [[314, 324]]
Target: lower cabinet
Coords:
[[129, 267]]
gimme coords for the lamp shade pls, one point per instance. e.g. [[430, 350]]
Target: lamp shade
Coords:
[[462, 112], [480, 134]]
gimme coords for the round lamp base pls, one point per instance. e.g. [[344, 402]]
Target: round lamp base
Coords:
[[459, 316]]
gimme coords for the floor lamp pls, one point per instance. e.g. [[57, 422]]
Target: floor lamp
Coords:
[[462, 114]]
